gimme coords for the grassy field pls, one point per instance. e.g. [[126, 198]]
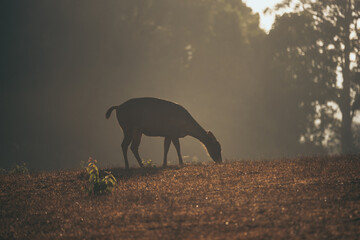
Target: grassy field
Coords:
[[305, 198]]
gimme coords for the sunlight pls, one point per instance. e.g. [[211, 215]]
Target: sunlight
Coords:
[[266, 20]]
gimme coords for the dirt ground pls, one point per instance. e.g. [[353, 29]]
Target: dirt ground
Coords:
[[304, 198]]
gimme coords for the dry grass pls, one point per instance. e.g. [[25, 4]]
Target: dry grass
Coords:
[[307, 198]]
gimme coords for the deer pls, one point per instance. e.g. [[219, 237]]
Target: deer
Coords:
[[156, 117]]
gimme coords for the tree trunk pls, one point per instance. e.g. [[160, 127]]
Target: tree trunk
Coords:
[[347, 143]]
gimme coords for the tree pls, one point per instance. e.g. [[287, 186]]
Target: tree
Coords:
[[335, 35]]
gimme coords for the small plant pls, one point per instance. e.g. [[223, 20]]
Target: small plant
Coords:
[[20, 168], [98, 185], [149, 163], [194, 160], [82, 164]]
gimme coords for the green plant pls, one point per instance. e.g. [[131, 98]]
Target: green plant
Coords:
[[20, 168], [149, 163], [98, 185], [194, 160], [82, 164]]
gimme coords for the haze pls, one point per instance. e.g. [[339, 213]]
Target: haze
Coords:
[[64, 63]]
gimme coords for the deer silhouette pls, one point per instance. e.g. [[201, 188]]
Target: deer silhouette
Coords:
[[160, 118]]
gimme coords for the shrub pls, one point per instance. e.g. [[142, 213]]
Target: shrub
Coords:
[[98, 185], [149, 163], [20, 168]]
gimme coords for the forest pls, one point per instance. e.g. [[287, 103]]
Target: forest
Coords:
[[292, 91], [283, 103]]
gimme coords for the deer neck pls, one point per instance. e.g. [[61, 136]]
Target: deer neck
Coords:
[[199, 133]]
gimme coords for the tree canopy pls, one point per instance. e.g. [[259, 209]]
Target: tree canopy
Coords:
[[263, 95]]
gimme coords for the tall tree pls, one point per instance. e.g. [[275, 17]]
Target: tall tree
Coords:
[[335, 23]]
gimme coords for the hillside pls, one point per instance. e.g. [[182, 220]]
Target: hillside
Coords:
[[305, 198]]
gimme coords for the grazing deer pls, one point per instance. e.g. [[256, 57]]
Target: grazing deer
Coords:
[[157, 117]]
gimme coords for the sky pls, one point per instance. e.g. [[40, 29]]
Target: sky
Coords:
[[266, 20]]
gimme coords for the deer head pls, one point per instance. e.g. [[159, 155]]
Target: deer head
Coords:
[[213, 148]]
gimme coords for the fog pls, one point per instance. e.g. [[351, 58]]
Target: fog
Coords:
[[64, 63]]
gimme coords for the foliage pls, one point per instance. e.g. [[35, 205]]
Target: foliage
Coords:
[[312, 45], [83, 164], [194, 160], [265, 94], [149, 163], [98, 185], [20, 168]]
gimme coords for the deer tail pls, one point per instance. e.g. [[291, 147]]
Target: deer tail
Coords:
[[109, 111]]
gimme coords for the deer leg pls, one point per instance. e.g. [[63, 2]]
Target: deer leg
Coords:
[[124, 146], [135, 146], [177, 146], [167, 142]]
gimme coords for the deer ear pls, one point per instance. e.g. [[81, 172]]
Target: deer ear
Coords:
[[211, 135]]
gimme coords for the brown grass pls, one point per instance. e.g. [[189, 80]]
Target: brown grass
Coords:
[[307, 198]]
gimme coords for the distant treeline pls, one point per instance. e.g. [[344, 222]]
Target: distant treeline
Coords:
[[294, 90]]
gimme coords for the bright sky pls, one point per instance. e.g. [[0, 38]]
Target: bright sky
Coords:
[[259, 6]]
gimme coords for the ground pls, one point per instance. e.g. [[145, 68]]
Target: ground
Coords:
[[303, 198]]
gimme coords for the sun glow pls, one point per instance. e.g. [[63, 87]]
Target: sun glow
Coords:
[[266, 20]]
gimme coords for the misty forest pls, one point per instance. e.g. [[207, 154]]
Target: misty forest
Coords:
[[84, 82], [293, 91]]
